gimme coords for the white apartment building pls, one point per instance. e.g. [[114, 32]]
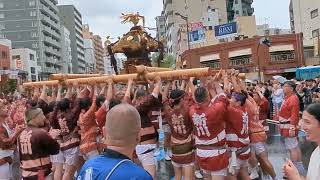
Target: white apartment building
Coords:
[[66, 50], [194, 10], [305, 18], [25, 60], [89, 55]]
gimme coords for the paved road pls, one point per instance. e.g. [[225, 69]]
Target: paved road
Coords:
[[276, 155]]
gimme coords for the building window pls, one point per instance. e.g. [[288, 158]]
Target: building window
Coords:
[[314, 13], [215, 64], [31, 57], [315, 33], [34, 45], [34, 24], [33, 13], [236, 2], [32, 3], [2, 26], [210, 28], [33, 70], [1, 15], [4, 55], [277, 32], [1, 5], [33, 78], [34, 34], [16, 57], [237, 12], [240, 60], [282, 56], [267, 32]]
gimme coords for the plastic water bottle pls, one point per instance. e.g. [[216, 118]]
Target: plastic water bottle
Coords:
[[160, 153]]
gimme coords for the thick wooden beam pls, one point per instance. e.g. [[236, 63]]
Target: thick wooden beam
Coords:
[[165, 75]]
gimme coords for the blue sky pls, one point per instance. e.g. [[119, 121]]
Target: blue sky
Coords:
[[276, 12], [103, 16]]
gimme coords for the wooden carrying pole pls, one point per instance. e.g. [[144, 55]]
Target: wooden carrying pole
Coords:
[[138, 69], [165, 75]]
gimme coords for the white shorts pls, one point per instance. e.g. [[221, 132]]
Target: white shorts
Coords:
[[291, 142], [223, 172], [71, 156], [5, 172], [177, 165], [242, 163], [166, 128], [146, 159], [58, 158], [258, 148]]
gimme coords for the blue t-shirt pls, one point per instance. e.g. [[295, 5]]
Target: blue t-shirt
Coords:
[[99, 167]]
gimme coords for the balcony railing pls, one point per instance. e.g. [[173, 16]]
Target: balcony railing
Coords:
[[240, 61], [282, 56]]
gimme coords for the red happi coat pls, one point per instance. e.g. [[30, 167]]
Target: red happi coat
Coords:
[[237, 129], [257, 131], [210, 136], [181, 132], [289, 116]]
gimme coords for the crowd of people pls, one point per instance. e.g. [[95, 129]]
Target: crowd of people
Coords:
[[215, 128]]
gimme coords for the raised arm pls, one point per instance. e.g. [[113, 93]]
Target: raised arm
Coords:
[[235, 84], [109, 92], [129, 87], [44, 95], [157, 87], [59, 92], [165, 93], [69, 92]]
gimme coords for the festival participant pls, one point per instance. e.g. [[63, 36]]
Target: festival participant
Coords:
[[208, 116], [88, 126], [237, 129], [121, 134], [36, 146], [289, 119], [176, 110], [8, 139], [111, 101], [311, 125], [144, 104], [257, 134], [64, 118]]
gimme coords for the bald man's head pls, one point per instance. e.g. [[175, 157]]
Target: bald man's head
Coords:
[[122, 125]]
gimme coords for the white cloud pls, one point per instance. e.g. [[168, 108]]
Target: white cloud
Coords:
[[103, 16]]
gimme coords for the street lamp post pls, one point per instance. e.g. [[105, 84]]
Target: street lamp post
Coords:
[[187, 23], [263, 41], [188, 37]]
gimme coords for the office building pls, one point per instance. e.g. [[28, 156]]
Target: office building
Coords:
[[25, 61], [34, 24], [305, 18], [98, 53], [195, 11], [236, 8], [71, 18], [66, 50]]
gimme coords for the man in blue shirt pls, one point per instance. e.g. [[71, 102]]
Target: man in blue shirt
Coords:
[[121, 134]]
